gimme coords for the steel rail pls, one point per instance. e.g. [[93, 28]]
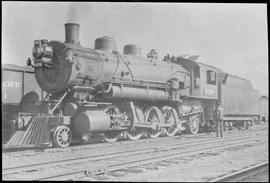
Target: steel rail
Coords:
[[135, 163], [243, 174], [106, 155]]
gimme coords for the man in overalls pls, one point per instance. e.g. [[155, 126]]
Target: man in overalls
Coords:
[[219, 120]]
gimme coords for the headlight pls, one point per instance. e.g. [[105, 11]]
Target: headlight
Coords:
[[37, 50], [42, 49], [47, 51]]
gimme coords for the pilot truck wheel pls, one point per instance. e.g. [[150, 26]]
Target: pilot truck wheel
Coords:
[[62, 136]]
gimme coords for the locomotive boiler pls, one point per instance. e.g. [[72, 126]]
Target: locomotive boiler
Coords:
[[61, 66]]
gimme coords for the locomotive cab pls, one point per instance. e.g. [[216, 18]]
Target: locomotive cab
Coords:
[[204, 89], [204, 79]]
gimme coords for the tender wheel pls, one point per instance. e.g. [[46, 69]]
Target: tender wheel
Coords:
[[111, 136], [170, 117], [134, 133], [62, 136], [153, 116], [194, 124]]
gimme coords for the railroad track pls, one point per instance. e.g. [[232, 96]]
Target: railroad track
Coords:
[[172, 152], [13, 169], [21, 151], [170, 157], [244, 174]]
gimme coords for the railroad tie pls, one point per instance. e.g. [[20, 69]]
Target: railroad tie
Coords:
[[115, 174], [96, 170], [150, 167], [133, 170], [162, 164], [171, 161]]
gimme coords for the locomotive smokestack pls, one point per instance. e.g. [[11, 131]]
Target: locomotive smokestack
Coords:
[[72, 33]]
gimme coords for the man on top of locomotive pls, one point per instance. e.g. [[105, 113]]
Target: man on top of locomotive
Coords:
[[152, 54], [219, 120]]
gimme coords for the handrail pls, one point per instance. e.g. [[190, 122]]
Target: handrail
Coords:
[[58, 103]]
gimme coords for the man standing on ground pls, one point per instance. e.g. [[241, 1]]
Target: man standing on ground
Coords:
[[219, 120]]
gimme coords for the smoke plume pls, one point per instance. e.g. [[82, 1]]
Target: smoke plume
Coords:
[[77, 12]]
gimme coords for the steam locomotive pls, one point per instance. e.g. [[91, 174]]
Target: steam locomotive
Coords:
[[100, 91]]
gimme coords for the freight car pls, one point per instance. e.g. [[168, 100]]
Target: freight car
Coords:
[[18, 86], [264, 108], [100, 91]]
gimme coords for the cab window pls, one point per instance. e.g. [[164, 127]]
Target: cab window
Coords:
[[211, 78], [196, 77]]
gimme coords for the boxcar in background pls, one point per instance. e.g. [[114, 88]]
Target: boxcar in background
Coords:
[[17, 81], [264, 108], [239, 99]]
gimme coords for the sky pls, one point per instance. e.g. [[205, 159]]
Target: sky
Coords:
[[232, 37]]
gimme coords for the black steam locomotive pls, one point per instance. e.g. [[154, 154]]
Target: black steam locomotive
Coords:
[[100, 91]]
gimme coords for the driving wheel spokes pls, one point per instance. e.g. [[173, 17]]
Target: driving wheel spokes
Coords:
[[194, 124], [153, 116], [111, 136], [135, 133], [62, 136], [171, 118]]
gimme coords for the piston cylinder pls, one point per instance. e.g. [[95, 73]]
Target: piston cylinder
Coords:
[[88, 121]]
